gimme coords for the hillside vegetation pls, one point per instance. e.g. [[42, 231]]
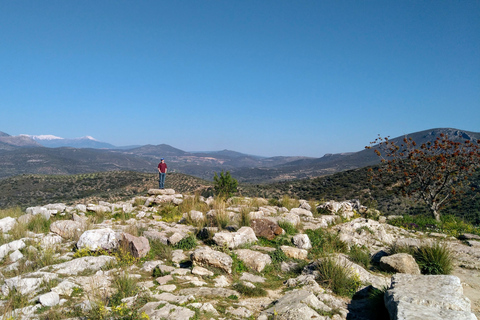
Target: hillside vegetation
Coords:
[[34, 190], [355, 184]]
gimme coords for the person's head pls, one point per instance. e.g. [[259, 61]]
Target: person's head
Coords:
[[162, 160]]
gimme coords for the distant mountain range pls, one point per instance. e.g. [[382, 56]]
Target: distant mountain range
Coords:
[[54, 155]]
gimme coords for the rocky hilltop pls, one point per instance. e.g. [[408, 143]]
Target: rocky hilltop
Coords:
[[172, 256]]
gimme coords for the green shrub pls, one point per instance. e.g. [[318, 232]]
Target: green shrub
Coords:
[[225, 185], [170, 213], [159, 250], [431, 258], [281, 240], [125, 286], [434, 259], [186, 243], [249, 291], [339, 279], [324, 242], [238, 266], [39, 224], [278, 256], [288, 227], [360, 255], [244, 217]]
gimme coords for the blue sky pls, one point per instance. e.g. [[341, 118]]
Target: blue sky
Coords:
[[260, 77]]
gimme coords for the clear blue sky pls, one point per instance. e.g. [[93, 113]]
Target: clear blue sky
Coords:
[[260, 77]]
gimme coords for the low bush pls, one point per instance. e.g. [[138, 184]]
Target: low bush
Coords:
[[186, 243], [288, 227], [340, 279], [434, 259], [360, 255], [278, 256], [324, 242], [248, 291], [159, 251]]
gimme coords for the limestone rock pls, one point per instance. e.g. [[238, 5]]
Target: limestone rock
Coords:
[[427, 297], [139, 247], [98, 239], [206, 257], [400, 262], [294, 253], [49, 299], [253, 259], [166, 311], [6, 224], [11, 246], [302, 212], [232, 240], [161, 192], [209, 292], [296, 305], [265, 228], [79, 265], [291, 218], [67, 229], [302, 241]]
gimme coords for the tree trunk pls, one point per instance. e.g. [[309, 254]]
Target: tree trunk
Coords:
[[436, 214]]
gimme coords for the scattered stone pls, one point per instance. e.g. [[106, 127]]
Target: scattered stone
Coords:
[[221, 282], [11, 246], [241, 312], [400, 262], [302, 241], [252, 278], [165, 311], [302, 212], [98, 239], [468, 236], [296, 305], [206, 257], [427, 297], [253, 259], [199, 271], [244, 235], [79, 265], [6, 224], [265, 228], [209, 292], [67, 229], [139, 247], [294, 253], [49, 299]]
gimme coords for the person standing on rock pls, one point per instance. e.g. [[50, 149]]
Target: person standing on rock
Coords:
[[162, 172]]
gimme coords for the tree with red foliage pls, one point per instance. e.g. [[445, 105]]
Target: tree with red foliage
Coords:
[[434, 172]]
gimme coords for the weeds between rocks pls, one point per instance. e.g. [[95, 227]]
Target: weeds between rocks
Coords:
[[435, 258], [339, 279]]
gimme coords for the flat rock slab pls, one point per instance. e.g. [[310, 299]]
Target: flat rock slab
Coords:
[[165, 311], [296, 305], [425, 297], [79, 265], [209, 292]]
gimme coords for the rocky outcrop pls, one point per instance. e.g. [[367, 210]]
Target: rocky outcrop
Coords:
[[427, 297], [401, 263], [98, 239], [207, 257], [265, 228], [244, 235]]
